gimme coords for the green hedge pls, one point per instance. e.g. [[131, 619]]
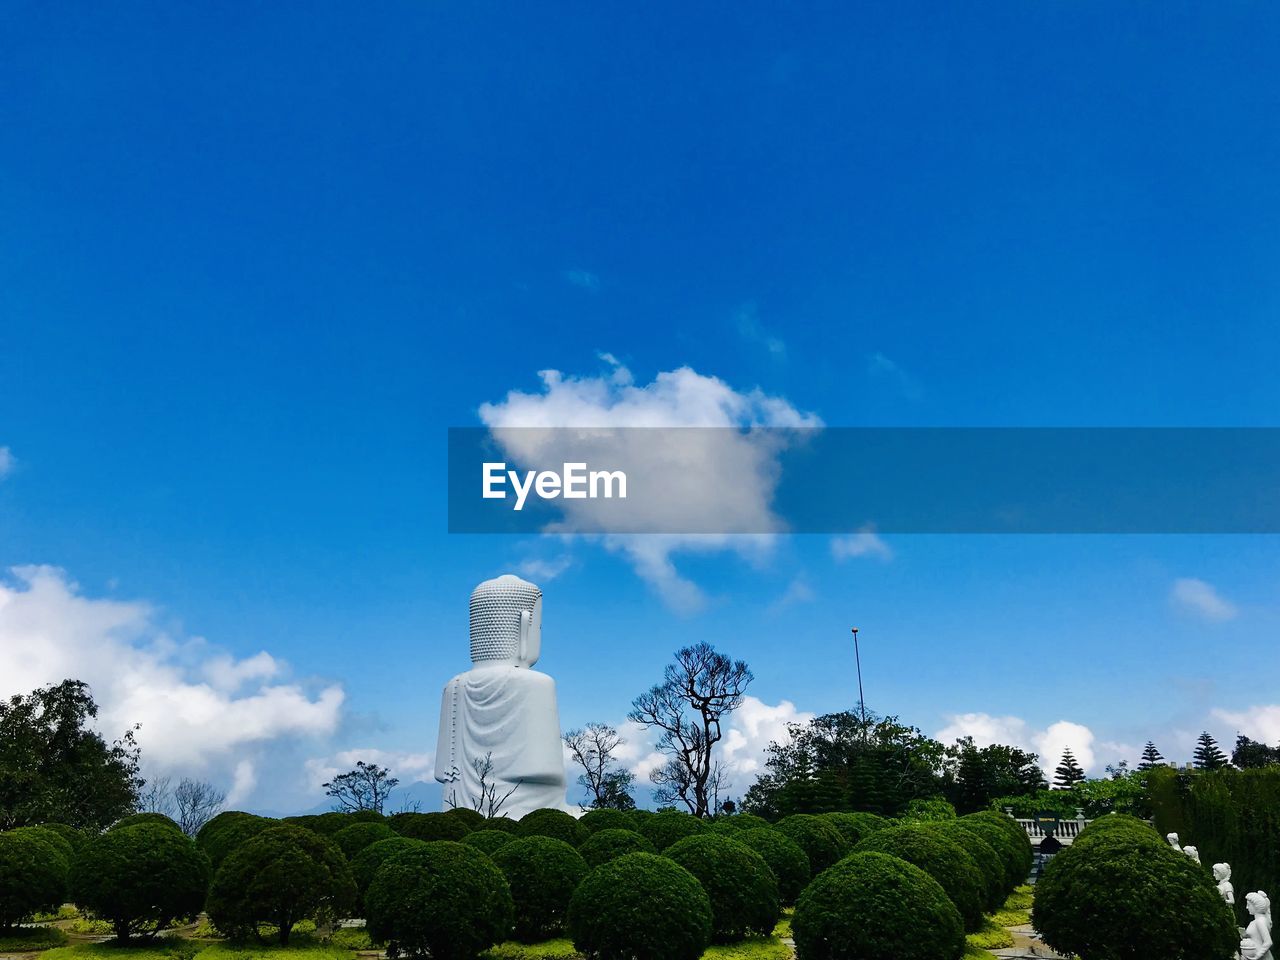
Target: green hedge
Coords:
[[556, 824], [995, 879], [606, 845], [355, 837], [606, 819], [33, 877], [488, 841], [785, 857], [664, 829], [940, 857], [543, 873], [821, 842], [429, 826], [739, 883], [854, 826], [368, 860]]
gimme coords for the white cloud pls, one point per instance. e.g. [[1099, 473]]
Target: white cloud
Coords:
[[720, 480], [541, 570], [582, 278], [1258, 723], [1201, 599], [201, 712], [798, 591], [862, 544], [406, 767], [1016, 732], [7, 462]]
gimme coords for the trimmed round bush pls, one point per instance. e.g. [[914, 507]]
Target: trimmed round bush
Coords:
[[543, 873], [929, 810], [789, 863], [429, 826], [1122, 823], [742, 889], [738, 822], [1010, 851], [488, 841], [73, 835], [854, 826], [328, 824], [136, 818], [141, 877], [228, 830], [474, 819], [283, 875], [664, 829], [606, 819], [33, 877], [1019, 841], [942, 858], [873, 906], [984, 855], [640, 907], [1121, 896], [821, 842], [505, 824], [368, 860], [639, 816], [606, 845], [354, 838], [364, 816], [552, 823], [442, 900], [52, 837]]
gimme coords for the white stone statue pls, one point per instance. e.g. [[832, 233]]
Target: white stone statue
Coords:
[[1222, 873], [1173, 842], [1256, 943], [499, 750], [1192, 852]]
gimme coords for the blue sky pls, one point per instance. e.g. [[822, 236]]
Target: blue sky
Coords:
[[253, 266]]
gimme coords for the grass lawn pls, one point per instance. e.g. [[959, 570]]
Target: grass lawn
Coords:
[[992, 936], [32, 938], [176, 948], [756, 948]]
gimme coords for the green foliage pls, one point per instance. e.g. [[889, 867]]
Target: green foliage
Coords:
[[1015, 850], [840, 762], [52, 837], [929, 810], [738, 881], [992, 936], [664, 829], [1249, 754], [821, 842], [354, 838], [74, 836], [1208, 755], [560, 948], [1114, 823], [975, 775], [1121, 793], [556, 824], [368, 860], [606, 819], [33, 876], [872, 906], [994, 877], [488, 841], [281, 876], [31, 939], [472, 818], [442, 900], [429, 826], [543, 873], [786, 859], [328, 824], [55, 768], [505, 824], [940, 857], [148, 817], [1121, 896], [752, 948], [854, 826], [141, 877], [1233, 816], [176, 948], [1069, 772], [640, 907], [228, 830], [606, 845], [738, 822]]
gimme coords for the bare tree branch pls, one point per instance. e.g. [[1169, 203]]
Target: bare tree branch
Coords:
[[198, 802]]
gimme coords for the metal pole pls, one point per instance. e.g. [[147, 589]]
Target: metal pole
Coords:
[[862, 700]]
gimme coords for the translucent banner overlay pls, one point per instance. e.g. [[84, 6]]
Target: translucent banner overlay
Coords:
[[696, 480]]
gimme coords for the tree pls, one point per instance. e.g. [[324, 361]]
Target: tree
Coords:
[[1208, 755], [55, 769], [488, 802], [156, 796], [33, 877], [592, 748], [1151, 757], [283, 875], [975, 776], [364, 788], [1250, 753], [845, 761], [197, 802], [1068, 773], [141, 877], [699, 689]]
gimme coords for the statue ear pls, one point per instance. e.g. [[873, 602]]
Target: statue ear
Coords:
[[526, 626]]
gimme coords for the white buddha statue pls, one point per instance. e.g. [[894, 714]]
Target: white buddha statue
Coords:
[[1173, 842], [1222, 873], [1256, 943], [499, 750]]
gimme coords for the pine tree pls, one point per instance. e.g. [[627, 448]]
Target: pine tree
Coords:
[[1208, 755], [1069, 772], [1150, 757]]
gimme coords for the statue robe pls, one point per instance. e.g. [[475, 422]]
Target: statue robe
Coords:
[[507, 714]]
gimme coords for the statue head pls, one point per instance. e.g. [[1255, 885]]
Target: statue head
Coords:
[[506, 622], [1173, 839], [1221, 871], [1259, 904], [1192, 852]]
